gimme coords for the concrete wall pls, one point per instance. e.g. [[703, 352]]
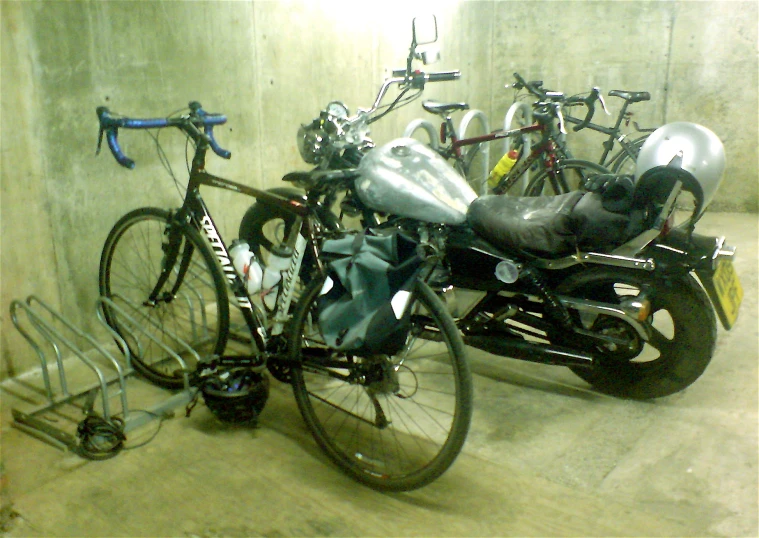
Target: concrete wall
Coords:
[[270, 66]]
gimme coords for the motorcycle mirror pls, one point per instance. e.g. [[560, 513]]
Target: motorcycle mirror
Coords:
[[424, 30]]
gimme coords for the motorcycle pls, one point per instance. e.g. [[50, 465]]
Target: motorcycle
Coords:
[[599, 280]]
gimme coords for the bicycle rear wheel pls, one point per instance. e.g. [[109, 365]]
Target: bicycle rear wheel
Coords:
[[623, 162], [192, 305], [572, 174], [394, 423]]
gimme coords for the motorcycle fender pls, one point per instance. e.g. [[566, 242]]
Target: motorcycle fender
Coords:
[[291, 193], [712, 261]]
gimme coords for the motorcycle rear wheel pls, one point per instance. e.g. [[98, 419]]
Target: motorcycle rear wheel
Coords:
[[683, 333]]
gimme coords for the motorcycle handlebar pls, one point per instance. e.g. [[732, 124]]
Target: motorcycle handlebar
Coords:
[[415, 80], [110, 124], [418, 77]]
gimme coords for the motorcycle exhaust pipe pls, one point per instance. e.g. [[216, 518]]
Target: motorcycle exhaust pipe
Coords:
[[529, 351]]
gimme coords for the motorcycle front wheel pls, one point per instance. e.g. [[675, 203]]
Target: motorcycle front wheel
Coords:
[[682, 326], [265, 225]]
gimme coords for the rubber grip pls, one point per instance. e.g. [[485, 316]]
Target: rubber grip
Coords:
[[531, 86], [444, 76], [520, 80]]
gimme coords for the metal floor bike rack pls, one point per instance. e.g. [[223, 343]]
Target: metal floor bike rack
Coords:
[[517, 109], [110, 373], [434, 141]]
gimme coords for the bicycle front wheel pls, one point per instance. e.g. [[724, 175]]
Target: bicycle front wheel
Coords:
[[571, 175], [474, 167], [191, 307], [394, 423]]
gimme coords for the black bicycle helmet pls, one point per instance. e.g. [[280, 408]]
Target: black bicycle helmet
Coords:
[[236, 396]]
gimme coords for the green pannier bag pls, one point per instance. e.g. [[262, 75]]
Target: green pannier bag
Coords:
[[363, 307]]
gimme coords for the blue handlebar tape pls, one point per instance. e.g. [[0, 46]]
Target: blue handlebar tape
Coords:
[[113, 143]]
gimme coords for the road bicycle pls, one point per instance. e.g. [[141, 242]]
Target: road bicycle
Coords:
[[621, 161], [392, 422], [557, 172]]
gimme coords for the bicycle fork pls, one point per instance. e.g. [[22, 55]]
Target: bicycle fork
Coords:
[[171, 248]]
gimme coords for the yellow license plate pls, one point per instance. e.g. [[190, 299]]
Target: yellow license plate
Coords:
[[727, 292]]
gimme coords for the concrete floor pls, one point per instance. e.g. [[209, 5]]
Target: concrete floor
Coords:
[[545, 457]]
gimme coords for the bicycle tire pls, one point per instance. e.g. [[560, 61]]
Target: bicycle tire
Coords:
[[265, 225], [474, 167], [574, 173], [198, 313], [420, 440], [623, 162]]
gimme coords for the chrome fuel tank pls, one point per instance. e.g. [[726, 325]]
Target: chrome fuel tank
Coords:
[[405, 177]]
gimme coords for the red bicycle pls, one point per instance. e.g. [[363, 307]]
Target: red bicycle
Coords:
[[558, 173]]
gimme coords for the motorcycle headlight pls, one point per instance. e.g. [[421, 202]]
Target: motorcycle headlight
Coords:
[[312, 143]]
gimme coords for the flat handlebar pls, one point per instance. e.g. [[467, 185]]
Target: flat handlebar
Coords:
[[190, 124], [534, 86]]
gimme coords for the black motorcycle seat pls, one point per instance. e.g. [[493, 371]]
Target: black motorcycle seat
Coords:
[[555, 226], [540, 225]]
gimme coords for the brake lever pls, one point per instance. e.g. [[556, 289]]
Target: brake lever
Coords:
[[562, 128], [101, 110], [100, 140], [603, 102]]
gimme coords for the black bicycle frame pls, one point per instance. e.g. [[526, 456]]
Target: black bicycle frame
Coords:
[[194, 211]]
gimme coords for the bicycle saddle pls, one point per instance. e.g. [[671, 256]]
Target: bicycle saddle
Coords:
[[633, 97], [441, 108]]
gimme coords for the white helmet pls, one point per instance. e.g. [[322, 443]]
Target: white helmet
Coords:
[[688, 147]]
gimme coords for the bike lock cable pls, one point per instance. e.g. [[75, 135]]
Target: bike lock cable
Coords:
[[99, 438]]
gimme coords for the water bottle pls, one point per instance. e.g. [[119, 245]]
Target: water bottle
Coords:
[[246, 265], [503, 167], [279, 260]]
